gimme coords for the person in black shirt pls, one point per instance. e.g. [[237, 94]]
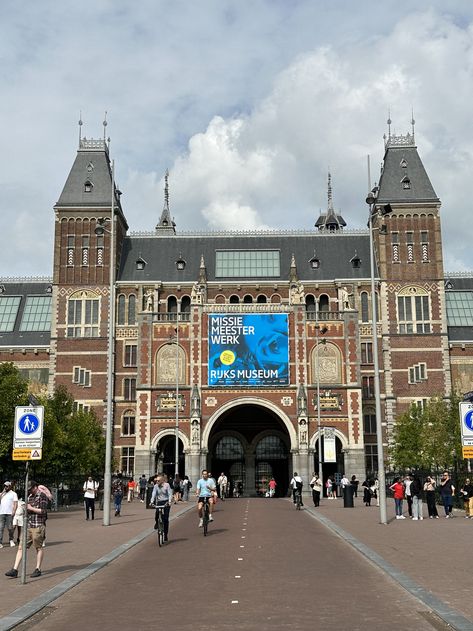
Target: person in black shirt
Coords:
[[467, 494], [447, 491]]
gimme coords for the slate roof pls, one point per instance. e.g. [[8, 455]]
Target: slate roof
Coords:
[[334, 251], [23, 289], [391, 189]]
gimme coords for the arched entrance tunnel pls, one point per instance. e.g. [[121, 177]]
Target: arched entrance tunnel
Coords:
[[250, 444]]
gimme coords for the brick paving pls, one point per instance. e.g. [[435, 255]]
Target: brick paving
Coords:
[[264, 566]]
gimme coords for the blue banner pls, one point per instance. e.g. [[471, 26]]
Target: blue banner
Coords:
[[249, 349]]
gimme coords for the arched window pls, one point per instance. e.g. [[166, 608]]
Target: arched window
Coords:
[[413, 310], [229, 448], [276, 298], [166, 359], [185, 304], [327, 358], [310, 303], [365, 316], [172, 304], [220, 299], [128, 423], [248, 299], [261, 299], [83, 314], [271, 448], [132, 309], [234, 300], [323, 303], [121, 309]]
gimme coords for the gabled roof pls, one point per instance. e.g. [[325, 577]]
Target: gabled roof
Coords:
[[403, 176], [334, 252]]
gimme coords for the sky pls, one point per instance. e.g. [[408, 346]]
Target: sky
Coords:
[[249, 104]]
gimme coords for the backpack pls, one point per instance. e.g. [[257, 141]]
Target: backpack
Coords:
[[189, 484], [298, 485]]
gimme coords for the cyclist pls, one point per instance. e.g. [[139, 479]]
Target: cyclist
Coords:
[[296, 484], [162, 496], [205, 488], [222, 483]]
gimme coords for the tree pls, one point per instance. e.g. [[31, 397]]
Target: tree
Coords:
[[13, 392], [428, 438]]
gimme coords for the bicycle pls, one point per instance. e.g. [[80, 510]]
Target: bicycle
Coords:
[[298, 497], [160, 523], [205, 515]]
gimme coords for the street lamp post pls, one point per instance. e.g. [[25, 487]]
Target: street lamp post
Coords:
[[371, 200], [107, 477], [317, 357], [176, 464]]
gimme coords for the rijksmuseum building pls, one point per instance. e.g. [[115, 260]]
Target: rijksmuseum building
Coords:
[[241, 330]]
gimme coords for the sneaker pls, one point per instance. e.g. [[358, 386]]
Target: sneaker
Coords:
[[415, 519], [431, 516], [201, 522], [12, 573], [36, 573], [43, 545], [211, 518], [436, 516], [447, 516], [421, 518], [1, 545], [467, 517], [12, 544], [165, 538], [401, 517]]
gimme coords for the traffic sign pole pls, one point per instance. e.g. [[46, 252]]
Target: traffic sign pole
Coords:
[[24, 531]]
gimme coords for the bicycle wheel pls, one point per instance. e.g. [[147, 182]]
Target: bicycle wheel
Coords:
[[206, 519], [160, 531]]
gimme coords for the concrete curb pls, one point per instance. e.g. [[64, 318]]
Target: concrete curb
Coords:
[[23, 613], [450, 616]]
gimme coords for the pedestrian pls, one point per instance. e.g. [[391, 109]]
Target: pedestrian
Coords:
[[407, 486], [186, 487], [375, 490], [447, 491], [8, 506], [316, 486], [37, 511], [398, 492], [222, 485], [272, 487], [18, 518], [143, 483], [176, 488], [344, 482], [467, 495], [367, 492], [90, 493], [416, 494], [429, 488], [334, 488], [117, 492], [131, 490], [296, 485], [328, 486], [162, 496], [354, 482]]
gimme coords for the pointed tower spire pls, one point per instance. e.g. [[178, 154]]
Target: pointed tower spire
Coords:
[[166, 224], [80, 127], [105, 127], [330, 221], [202, 271], [413, 125]]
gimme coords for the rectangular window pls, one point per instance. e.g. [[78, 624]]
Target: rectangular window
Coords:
[[371, 459], [80, 407], [424, 245], [81, 376], [459, 308], [9, 306], [418, 373], [130, 354], [247, 264], [366, 352], [410, 246], [36, 314], [395, 246], [367, 384], [369, 423], [128, 425], [83, 318], [413, 314], [128, 460], [129, 389]]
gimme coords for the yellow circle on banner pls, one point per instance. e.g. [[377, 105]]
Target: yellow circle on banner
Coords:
[[227, 357]]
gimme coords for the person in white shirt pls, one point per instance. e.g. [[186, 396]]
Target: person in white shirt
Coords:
[[316, 485], [90, 492], [296, 484], [222, 485], [8, 506]]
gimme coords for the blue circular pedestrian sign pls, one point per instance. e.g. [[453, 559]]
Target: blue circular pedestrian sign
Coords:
[[28, 424], [468, 420]]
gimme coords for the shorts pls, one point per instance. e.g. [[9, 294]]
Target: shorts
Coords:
[[35, 537], [207, 497]]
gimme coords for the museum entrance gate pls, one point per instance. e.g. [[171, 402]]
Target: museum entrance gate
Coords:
[[166, 456], [250, 444], [335, 469]]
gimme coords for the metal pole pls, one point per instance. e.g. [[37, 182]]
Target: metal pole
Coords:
[[24, 531], [176, 465], [317, 339], [107, 478], [377, 389]]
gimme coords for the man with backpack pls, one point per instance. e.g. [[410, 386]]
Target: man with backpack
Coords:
[[143, 484], [296, 485]]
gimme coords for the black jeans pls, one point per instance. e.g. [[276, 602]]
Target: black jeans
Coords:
[[316, 497], [167, 510], [89, 506], [294, 491], [431, 505], [409, 504]]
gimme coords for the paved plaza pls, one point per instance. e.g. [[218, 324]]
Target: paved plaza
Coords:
[[263, 566]]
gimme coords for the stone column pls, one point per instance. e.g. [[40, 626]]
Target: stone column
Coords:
[[250, 474]]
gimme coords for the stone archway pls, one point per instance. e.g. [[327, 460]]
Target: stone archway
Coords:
[[164, 446]]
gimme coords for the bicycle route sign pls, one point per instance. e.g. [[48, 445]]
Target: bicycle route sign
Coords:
[[28, 432]]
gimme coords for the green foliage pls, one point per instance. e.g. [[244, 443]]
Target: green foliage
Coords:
[[429, 438], [73, 442]]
